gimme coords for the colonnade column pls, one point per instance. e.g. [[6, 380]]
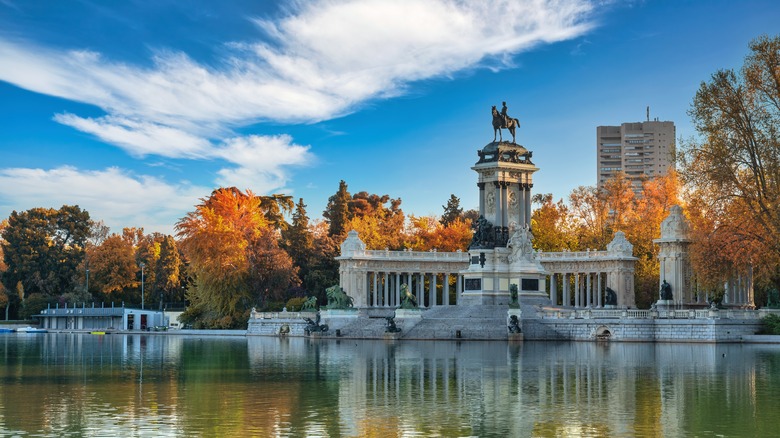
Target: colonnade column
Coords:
[[588, 290], [445, 291], [432, 296], [458, 288], [599, 291], [566, 299], [553, 289], [420, 286], [577, 292], [397, 299]]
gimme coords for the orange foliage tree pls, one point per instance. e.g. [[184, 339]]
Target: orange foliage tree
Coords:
[[733, 170], [426, 233], [234, 258]]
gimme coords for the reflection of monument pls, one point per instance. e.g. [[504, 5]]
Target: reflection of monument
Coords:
[[501, 252]]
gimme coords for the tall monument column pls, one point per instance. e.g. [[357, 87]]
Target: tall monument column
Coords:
[[501, 253]]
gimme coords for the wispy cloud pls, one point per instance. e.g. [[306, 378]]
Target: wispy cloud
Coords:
[[318, 62], [117, 197], [321, 60]]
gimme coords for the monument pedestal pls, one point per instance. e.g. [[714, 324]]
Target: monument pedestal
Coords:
[[408, 314]]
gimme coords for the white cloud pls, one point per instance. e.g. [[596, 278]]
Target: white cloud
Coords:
[[260, 161], [115, 196], [320, 61]]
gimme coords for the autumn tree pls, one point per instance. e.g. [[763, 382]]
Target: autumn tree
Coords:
[[733, 169], [113, 269], [426, 233], [234, 258], [552, 225]]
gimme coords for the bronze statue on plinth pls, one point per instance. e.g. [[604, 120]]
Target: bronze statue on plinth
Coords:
[[503, 121]]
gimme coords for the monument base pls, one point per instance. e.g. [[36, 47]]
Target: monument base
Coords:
[[339, 313], [515, 337], [408, 313]]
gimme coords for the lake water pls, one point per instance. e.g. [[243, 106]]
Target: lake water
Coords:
[[152, 385]]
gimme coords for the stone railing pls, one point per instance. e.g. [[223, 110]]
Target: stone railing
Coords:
[[433, 255], [571, 255], [552, 313]]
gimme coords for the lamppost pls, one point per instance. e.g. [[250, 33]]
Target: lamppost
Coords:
[[142, 265]]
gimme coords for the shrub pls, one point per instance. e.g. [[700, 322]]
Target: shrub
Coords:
[[771, 324], [295, 304]]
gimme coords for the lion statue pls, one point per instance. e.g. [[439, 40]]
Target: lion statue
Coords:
[[337, 298]]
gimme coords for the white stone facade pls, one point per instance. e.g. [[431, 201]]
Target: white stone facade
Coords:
[[578, 279]]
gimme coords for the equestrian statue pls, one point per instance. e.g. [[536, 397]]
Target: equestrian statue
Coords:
[[503, 121]]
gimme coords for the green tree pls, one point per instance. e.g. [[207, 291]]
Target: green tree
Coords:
[[298, 239], [43, 247], [167, 270], [337, 211], [452, 211], [274, 207], [733, 171]]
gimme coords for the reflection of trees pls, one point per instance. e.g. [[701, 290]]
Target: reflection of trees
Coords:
[[78, 384]]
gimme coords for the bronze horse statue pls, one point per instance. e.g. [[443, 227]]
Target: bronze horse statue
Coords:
[[498, 124]]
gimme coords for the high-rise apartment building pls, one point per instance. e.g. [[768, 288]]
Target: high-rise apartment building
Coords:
[[640, 150]]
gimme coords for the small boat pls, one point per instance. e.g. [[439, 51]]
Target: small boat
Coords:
[[97, 333], [31, 330], [6, 330]]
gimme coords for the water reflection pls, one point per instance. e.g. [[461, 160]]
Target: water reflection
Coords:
[[81, 385]]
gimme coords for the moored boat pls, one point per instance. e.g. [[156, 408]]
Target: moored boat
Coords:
[[31, 330]]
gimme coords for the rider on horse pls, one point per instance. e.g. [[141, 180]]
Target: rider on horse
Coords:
[[505, 115]]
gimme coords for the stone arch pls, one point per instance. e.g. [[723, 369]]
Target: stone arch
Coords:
[[603, 333]]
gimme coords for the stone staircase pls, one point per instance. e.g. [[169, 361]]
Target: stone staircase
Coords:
[[482, 322]]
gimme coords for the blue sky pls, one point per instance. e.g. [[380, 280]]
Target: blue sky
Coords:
[[136, 109]]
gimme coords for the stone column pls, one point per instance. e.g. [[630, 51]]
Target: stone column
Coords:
[[566, 299], [599, 293], [445, 290], [499, 205], [385, 288], [521, 205], [504, 204], [432, 301], [553, 290], [397, 300], [420, 290], [577, 291], [528, 204], [481, 198], [458, 288], [588, 289]]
